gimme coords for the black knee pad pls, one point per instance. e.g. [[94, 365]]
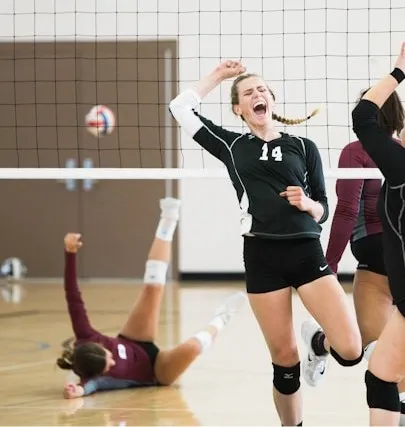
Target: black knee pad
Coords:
[[382, 394], [345, 362], [286, 380]]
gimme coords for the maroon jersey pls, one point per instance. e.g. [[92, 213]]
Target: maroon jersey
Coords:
[[356, 211], [132, 362]]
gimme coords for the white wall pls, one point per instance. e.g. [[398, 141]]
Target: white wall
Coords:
[[321, 56]]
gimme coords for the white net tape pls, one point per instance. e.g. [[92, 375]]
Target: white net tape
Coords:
[[155, 173]]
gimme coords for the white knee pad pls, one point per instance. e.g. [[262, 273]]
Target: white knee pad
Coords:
[[155, 272]]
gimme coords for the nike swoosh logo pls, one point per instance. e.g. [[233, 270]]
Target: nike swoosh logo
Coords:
[[323, 268]]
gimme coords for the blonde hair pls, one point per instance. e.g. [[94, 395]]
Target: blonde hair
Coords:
[[280, 119], [294, 121]]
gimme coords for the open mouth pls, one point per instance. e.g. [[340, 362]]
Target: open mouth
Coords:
[[260, 108]]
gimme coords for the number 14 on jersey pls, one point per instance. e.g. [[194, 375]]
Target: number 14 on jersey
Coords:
[[275, 153]]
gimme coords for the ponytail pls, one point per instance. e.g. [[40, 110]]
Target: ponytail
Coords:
[[85, 360], [293, 121], [65, 360]]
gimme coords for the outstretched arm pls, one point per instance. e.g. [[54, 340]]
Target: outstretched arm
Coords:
[[77, 311], [387, 154], [72, 391]]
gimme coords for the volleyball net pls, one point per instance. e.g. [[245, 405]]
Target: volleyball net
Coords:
[[59, 59]]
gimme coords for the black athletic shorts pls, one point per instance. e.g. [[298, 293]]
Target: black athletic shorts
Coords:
[[276, 264], [369, 253], [150, 347], [395, 265]]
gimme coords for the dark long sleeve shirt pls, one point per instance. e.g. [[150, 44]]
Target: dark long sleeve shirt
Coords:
[[133, 366], [355, 215], [389, 156], [260, 170]]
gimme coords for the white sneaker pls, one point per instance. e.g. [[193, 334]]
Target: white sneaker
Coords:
[[231, 306], [170, 208], [313, 366]]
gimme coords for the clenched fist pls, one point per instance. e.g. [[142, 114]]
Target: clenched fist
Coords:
[[71, 391], [229, 69], [72, 242], [296, 197]]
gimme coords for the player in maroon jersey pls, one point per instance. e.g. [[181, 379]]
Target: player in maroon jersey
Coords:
[[132, 358]]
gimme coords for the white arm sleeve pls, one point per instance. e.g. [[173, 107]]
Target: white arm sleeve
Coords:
[[215, 139], [182, 108]]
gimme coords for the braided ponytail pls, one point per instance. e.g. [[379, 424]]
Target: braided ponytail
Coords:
[[285, 121]]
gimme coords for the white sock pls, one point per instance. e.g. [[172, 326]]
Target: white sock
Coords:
[[205, 339], [217, 322], [165, 229], [402, 396]]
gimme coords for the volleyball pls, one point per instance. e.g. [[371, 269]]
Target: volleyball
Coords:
[[13, 268], [100, 120]]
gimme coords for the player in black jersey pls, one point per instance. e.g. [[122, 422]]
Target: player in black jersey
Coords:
[[387, 362], [280, 186]]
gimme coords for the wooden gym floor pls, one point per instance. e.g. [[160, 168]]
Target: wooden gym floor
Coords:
[[231, 384]]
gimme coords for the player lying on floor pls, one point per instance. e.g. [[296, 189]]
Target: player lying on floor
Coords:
[[132, 358]]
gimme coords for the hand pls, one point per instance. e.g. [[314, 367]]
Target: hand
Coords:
[[72, 391], [229, 69], [296, 197], [72, 242], [401, 59]]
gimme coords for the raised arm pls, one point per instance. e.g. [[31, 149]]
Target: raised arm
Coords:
[[183, 108], [388, 155], [77, 311], [72, 390], [347, 209]]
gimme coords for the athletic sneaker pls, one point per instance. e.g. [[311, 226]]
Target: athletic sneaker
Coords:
[[313, 366], [231, 306], [170, 208]]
